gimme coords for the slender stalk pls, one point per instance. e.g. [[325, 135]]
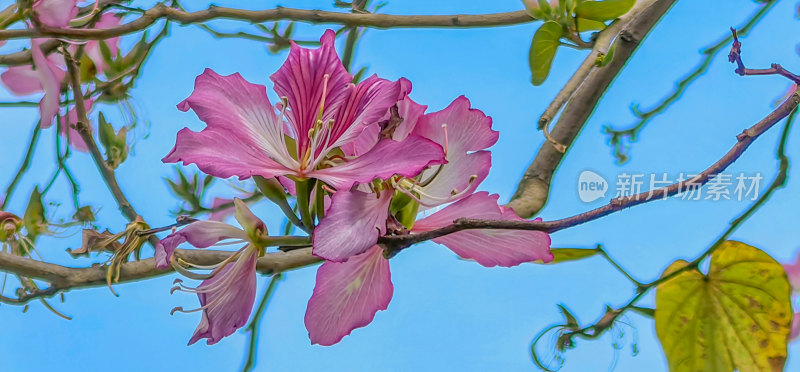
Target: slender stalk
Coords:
[[252, 351], [26, 163], [619, 268], [304, 188]]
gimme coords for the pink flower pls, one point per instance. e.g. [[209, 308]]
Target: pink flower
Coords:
[[45, 75], [48, 73], [323, 110], [107, 20], [55, 13], [222, 214], [347, 295], [227, 295]]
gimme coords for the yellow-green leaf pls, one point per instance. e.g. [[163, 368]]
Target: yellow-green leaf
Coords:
[[543, 50], [584, 25], [34, 219], [737, 317], [570, 254], [603, 10]]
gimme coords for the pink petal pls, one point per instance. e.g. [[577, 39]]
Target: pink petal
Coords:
[[107, 20], [50, 76], [364, 142], [221, 214], [387, 158], [301, 80], [288, 184], [230, 304], [795, 327], [364, 104], [468, 132], [455, 177], [351, 225], [21, 80], [222, 156], [70, 133], [200, 234], [408, 110], [487, 247], [240, 118], [24, 80], [347, 296], [793, 272], [55, 13], [467, 129], [411, 112]]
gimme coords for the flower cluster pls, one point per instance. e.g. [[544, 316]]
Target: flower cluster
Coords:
[[47, 74], [363, 160]]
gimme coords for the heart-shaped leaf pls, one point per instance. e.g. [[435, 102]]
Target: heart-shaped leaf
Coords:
[[736, 317]]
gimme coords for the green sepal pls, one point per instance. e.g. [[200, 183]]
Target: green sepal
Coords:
[[404, 209]]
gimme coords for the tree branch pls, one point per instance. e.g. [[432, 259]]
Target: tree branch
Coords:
[[84, 129], [64, 278], [735, 56], [618, 137], [744, 140], [161, 11], [533, 189]]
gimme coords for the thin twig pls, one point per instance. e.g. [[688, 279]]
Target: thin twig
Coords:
[[252, 328], [617, 137], [161, 11], [84, 129], [743, 142], [595, 330], [26, 163], [735, 56]]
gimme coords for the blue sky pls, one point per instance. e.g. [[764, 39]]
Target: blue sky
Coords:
[[445, 313]]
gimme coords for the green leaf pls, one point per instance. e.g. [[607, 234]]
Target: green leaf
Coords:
[[404, 209], [570, 254], [119, 151], [106, 131], [737, 317], [543, 50], [570, 320], [544, 7], [585, 25], [34, 220], [603, 10], [105, 51]]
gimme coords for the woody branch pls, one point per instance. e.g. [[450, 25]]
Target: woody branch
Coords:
[[65, 278], [161, 11]]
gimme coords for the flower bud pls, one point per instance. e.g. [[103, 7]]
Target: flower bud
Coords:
[[9, 225]]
